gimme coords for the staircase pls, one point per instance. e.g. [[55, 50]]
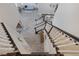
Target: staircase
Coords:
[[55, 41], [64, 43], [7, 46]]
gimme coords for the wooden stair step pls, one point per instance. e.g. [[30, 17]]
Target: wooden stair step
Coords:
[[54, 33], [7, 49], [12, 53], [2, 32], [4, 52], [54, 30], [4, 37], [69, 47], [4, 40], [66, 45], [60, 38], [5, 44], [1, 29], [62, 42], [56, 36], [70, 52]]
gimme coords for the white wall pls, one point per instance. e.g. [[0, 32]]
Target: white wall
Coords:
[[67, 18], [9, 14]]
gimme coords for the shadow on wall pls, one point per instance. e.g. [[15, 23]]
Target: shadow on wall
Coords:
[[67, 18]]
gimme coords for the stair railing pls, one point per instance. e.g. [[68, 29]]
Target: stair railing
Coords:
[[10, 39]]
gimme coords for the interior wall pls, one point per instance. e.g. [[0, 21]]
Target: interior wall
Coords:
[[9, 14], [67, 18]]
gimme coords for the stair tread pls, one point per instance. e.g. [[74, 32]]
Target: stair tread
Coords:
[[70, 54], [63, 42], [60, 38], [69, 51], [4, 40], [7, 53], [72, 47]]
